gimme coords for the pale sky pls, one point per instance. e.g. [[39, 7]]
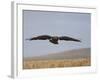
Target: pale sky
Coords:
[[76, 25]]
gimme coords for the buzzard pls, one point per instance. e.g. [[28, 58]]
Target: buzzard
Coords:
[[53, 39]]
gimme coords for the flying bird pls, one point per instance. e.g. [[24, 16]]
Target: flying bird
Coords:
[[53, 39]]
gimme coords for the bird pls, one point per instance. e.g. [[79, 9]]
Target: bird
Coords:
[[53, 39]]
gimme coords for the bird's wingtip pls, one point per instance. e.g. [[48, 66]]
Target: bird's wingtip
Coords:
[[79, 40]]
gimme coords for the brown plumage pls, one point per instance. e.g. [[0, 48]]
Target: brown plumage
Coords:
[[53, 39]]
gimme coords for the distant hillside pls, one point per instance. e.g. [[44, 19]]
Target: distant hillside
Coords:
[[72, 54]]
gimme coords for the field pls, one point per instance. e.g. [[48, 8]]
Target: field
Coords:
[[74, 58], [56, 63]]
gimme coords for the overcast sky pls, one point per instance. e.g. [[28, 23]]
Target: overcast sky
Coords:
[[76, 25]]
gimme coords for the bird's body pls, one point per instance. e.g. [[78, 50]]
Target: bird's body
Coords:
[[53, 39]]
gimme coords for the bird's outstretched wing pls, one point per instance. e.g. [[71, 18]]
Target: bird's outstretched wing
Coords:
[[41, 37], [68, 39]]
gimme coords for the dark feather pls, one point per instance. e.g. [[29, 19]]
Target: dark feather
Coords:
[[68, 39], [53, 39], [42, 37]]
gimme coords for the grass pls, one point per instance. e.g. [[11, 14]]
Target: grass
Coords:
[[36, 64]]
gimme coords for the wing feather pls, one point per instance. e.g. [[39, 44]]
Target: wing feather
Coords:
[[68, 39], [41, 37]]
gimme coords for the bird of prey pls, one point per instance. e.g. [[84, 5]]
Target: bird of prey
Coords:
[[53, 39]]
